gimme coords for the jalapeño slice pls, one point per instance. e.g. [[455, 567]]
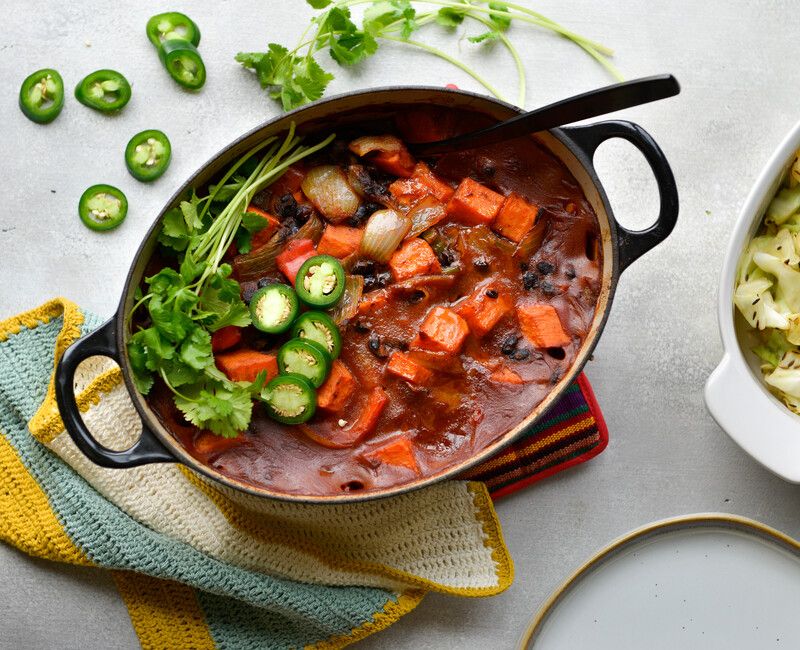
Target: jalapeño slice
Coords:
[[320, 281], [41, 96], [102, 207], [183, 62], [147, 155], [273, 308], [289, 399], [304, 358], [317, 326], [103, 90], [172, 25]]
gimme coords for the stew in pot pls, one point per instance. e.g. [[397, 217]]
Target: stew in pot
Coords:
[[399, 316]]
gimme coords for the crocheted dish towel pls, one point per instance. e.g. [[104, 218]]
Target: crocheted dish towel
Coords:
[[203, 567]]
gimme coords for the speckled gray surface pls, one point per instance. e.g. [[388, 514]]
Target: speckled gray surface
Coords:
[[737, 67]]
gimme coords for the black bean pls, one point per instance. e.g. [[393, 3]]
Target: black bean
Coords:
[[570, 272], [364, 211], [491, 293], [523, 266], [446, 257], [530, 280], [416, 296], [557, 353], [521, 354], [377, 347], [486, 167], [509, 344], [361, 327], [481, 263], [286, 207], [549, 289], [545, 268], [383, 278]]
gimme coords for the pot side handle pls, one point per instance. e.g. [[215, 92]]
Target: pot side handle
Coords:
[[758, 423], [148, 449], [633, 244]]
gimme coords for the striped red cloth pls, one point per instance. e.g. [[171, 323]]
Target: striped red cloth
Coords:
[[570, 432]]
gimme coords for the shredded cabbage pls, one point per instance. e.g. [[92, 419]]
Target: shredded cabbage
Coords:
[[767, 290]]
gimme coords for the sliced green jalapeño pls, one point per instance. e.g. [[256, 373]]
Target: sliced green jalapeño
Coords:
[[147, 155], [320, 281], [102, 207], [304, 358], [41, 96], [172, 25], [289, 399], [103, 90], [183, 62], [273, 308], [318, 327]]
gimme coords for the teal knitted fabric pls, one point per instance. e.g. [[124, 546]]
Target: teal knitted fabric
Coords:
[[244, 609]]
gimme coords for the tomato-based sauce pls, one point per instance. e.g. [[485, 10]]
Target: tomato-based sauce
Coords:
[[449, 358]]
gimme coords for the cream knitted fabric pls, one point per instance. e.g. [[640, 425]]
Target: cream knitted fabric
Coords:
[[444, 538]]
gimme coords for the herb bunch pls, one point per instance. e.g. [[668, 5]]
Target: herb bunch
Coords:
[[186, 305], [294, 77]]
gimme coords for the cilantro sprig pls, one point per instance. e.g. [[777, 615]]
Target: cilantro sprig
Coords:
[[295, 77], [189, 302]]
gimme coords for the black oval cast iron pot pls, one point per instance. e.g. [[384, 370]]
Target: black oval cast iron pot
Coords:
[[574, 146]]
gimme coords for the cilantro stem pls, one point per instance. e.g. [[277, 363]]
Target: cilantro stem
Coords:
[[521, 90], [444, 55]]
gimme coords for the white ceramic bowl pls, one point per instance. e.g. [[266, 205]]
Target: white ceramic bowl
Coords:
[[735, 392]]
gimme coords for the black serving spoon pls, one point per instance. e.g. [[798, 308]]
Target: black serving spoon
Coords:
[[580, 107]]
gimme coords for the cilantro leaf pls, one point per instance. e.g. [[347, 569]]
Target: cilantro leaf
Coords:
[[252, 222], [189, 211], [319, 4], [450, 16], [174, 232], [485, 37], [382, 14], [224, 408], [502, 22], [221, 303], [195, 350]]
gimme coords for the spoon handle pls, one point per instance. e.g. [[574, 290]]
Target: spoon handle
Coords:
[[580, 107]]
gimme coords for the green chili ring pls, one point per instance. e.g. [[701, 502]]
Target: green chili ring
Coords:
[[172, 25], [289, 399], [273, 308], [320, 281], [147, 155], [318, 327], [102, 207], [183, 62], [41, 96], [304, 358], [104, 90]]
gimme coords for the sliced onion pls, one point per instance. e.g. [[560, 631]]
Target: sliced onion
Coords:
[[532, 242], [347, 307], [368, 143], [327, 188], [261, 262], [425, 214], [383, 233]]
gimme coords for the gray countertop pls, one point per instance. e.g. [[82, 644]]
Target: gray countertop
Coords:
[[737, 66]]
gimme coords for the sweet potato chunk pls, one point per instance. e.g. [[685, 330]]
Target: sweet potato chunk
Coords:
[[484, 309], [210, 444], [415, 257], [541, 326], [244, 365], [291, 259], [443, 330], [516, 218], [423, 182], [334, 394], [403, 366], [339, 241], [474, 204], [225, 337], [398, 452]]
